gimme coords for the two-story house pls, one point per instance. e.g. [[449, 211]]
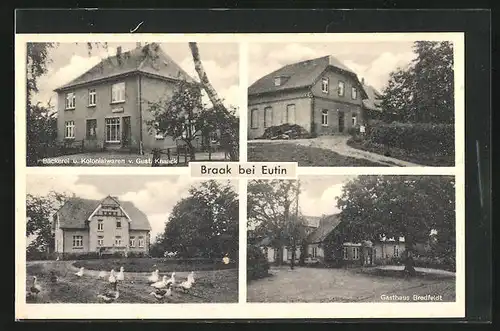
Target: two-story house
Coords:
[[322, 95], [83, 226], [107, 106]]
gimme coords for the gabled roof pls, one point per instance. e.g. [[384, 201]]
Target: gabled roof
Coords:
[[326, 226], [371, 102], [299, 75], [150, 59], [75, 211]]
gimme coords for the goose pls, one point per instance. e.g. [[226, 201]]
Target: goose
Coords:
[[112, 278], [160, 294], [171, 281], [120, 275], [161, 284], [186, 285], [155, 276], [35, 288], [80, 272], [102, 274], [191, 277], [109, 296]]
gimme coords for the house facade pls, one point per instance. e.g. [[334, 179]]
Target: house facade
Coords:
[[322, 95], [108, 226], [106, 107]]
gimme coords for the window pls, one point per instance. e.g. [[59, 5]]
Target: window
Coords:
[[70, 100], [254, 119], [324, 117], [141, 242], [100, 241], [354, 93], [118, 224], [396, 251], [92, 98], [315, 252], [132, 242], [277, 81], [289, 254], [69, 131], [341, 88], [354, 119], [290, 114], [118, 241], [344, 252], [268, 117], [118, 92], [100, 225], [91, 128], [355, 253], [324, 85], [113, 129], [77, 241]]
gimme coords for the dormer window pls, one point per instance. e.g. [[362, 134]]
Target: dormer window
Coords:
[[324, 85], [277, 81]]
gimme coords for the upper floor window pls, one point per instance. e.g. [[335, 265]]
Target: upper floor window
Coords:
[[118, 92], [324, 117], [77, 241], [100, 225], [69, 129], [354, 93], [92, 98], [290, 114], [341, 88], [70, 100], [268, 117], [141, 242], [324, 85], [254, 118], [118, 224]]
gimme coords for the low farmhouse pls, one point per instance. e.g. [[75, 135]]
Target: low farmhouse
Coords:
[[321, 95], [107, 226]]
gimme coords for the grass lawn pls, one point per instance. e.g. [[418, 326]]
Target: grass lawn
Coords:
[[211, 286], [341, 285], [305, 156], [406, 155]]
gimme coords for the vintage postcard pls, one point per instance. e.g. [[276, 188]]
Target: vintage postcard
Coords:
[[296, 176]]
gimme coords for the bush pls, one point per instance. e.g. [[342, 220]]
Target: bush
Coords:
[[257, 264], [438, 139], [292, 131]]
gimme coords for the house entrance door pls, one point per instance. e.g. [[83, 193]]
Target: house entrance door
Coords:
[[126, 131], [341, 121]]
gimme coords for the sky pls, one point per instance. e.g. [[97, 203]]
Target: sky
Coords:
[[70, 60], [154, 195], [372, 61], [319, 194]]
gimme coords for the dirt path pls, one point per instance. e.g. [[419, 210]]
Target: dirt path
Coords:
[[340, 285], [339, 145]]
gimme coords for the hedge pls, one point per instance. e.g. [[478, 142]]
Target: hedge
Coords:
[[257, 264], [438, 139]]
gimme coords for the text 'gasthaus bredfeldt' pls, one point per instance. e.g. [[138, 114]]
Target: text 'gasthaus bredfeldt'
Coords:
[[257, 170]]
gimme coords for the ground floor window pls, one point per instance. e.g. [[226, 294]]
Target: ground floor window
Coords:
[[396, 251], [132, 242], [141, 242], [77, 241], [345, 254], [315, 252], [100, 241], [354, 119], [324, 117], [69, 129], [113, 129], [355, 253], [254, 119], [268, 117], [91, 128], [290, 114], [118, 241]]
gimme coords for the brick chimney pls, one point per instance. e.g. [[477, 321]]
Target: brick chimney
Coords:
[[119, 51]]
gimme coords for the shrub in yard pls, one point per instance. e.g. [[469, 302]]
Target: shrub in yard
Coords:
[[257, 264], [292, 131], [436, 139]]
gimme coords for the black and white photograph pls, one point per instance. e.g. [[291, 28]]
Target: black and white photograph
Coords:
[[131, 104], [347, 238], [131, 239], [352, 103]]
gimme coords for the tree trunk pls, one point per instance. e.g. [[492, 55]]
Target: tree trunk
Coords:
[[226, 138], [302, 257], [294, 248], [409, 263]]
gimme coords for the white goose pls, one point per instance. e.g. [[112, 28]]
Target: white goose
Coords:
[[155, 276], [161, 284], [109, 296], [121, 275], [171, 281], [112, 278], [102, 274], [80, 272], [160, 294], [188, 283]]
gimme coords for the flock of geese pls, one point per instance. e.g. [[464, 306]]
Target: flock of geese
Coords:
[[162, 287]]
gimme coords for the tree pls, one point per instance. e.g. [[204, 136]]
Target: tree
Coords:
[[203, 224], [423, 91], [377, 207], [270, 211], [227, 122], [39, 210]]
